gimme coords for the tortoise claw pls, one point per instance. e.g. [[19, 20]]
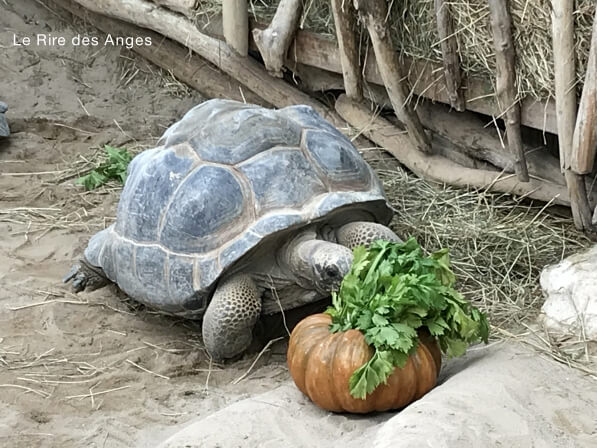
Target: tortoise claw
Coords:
[[78, 277], [74, 270], [83, 277], [79, 282]]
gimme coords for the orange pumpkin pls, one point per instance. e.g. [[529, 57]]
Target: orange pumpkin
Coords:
[[321, 364]]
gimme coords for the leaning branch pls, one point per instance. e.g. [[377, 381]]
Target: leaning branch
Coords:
[[505, 82], [274, 41], [186, 66], [449, 47], [374, 13]]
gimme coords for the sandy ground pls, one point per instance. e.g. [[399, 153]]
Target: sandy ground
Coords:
[[67, 376], [96, 370]]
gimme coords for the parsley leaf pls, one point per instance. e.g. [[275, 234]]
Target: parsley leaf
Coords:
[[115, 167]]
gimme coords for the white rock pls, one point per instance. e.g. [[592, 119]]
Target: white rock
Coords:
[[570, 288]]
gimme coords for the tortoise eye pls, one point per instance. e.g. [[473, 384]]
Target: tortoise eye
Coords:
[[331, 272]]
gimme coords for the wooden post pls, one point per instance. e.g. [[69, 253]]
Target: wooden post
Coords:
[[274, 41], [579, 202], [506, 82], [565, 80], [345, 22], [565, 75], [449, 47], [235, 16], [584, 143], [374, 13]]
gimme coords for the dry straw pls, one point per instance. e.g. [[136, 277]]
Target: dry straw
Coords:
[[413, 29]]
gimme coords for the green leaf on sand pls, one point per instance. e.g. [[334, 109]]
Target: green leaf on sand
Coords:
[[114, 168]]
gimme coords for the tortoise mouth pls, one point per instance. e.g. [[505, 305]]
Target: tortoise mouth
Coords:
[[330, 266]]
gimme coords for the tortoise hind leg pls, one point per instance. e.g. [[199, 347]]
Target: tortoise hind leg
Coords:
[[230, 317], [363, 233], [84, 276]]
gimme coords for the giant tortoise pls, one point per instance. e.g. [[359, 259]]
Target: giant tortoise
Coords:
[[4, 129], [239, 211]]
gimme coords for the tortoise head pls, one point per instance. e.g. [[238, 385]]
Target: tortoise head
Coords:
[[318, 264]]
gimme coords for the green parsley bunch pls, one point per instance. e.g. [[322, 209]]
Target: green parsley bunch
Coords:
[[392, 291]]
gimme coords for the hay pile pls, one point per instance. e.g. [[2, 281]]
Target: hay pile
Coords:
[[413, 27]]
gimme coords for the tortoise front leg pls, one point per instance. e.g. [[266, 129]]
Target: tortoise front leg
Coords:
[[230, 317], [363, 233]]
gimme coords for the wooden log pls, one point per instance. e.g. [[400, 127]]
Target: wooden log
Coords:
[[245, 70], [236, 25], [187, 67], [186, 7], [584, 144], [373, 13], [315, 80], [476, 139], [274, 41], [506, 82], [346, 28], [441, 146], [565, 85], [449, 47], [437, 168], [320, 52]]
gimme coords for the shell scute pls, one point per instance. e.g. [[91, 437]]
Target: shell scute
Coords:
[[341, 162], [180, 284], [233, 138], [150, 262], [204, 211], [149, 187], [273, 191]]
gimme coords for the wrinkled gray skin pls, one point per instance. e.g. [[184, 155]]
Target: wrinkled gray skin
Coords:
[[241, 211], [4, 130]]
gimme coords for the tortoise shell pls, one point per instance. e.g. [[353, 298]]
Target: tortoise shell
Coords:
[[223, 179]]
